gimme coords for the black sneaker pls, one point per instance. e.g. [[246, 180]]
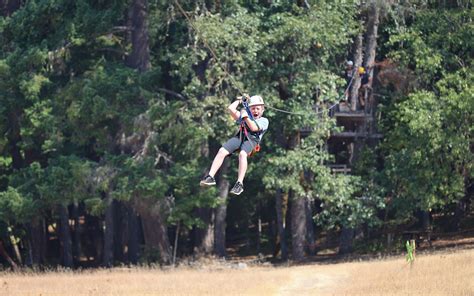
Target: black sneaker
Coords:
[[208, 181], [237, 189]]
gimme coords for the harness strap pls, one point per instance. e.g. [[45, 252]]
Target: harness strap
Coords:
[[247, 108], [243, 130]]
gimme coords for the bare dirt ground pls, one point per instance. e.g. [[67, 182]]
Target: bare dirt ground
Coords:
[[440, 272], [310, 280]]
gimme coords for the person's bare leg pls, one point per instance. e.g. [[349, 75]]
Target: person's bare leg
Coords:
[[217, 162], [242, 166]]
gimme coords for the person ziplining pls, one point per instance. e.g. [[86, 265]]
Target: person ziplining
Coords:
[[250, 118], [252, 126]]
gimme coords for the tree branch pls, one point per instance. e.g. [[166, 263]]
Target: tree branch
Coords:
[[170, 92]]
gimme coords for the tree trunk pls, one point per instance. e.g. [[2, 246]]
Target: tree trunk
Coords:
[[133, 236], [176, 240], [298, 212], [221, 211], [156, 236], [310, 238], [371, 39], [154, 228], [298, 227], [345, 242], [138, 18], [76, 250], [37, 234], [259, 229], [370, 53], [152, 217], [7, 257], [16, 249], [65, 237], [357, 147], [425, 220], [14, 139], [94, 238], [281, 207], [120, 231], [459, 214], [108, 252], [204, 237], [354, 93]]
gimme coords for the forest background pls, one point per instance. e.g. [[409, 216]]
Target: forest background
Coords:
[[111, 112]]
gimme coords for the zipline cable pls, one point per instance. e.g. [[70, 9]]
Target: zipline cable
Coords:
[[319, 112], [214, 55], [300, 113]]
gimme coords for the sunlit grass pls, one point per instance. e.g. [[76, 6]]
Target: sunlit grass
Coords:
[[435, 274], [180, 281]]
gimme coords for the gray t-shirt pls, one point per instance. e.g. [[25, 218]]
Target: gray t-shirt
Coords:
[[262, 123]]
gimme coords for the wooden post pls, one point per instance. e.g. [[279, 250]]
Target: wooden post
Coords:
[[175, 247]]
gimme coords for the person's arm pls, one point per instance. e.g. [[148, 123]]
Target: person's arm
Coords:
[[233, 108], [250, 123]]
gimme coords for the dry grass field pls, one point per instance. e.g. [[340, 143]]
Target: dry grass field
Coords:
[[442, 273]]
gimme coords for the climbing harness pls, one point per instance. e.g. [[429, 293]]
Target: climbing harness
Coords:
[[244, 132]]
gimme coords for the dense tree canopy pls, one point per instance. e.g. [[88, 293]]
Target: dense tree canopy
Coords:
[[112, 111]]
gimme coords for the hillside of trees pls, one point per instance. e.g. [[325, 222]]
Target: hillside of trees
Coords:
[[112, 111]]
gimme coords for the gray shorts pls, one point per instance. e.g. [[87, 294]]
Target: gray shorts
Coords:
[[234, 143]]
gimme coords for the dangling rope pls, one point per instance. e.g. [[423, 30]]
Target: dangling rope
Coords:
[[235, 83]]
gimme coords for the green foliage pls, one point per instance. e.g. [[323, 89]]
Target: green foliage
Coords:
[[430, 151], [150, 255], [21, 202], [33, 190], [66, 179], [301, 46], [428, 148], [15, 207], [436, 43], [348, 202], [68, 100], [93, 105], [95, 206], [136, 179], [187, 196]]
